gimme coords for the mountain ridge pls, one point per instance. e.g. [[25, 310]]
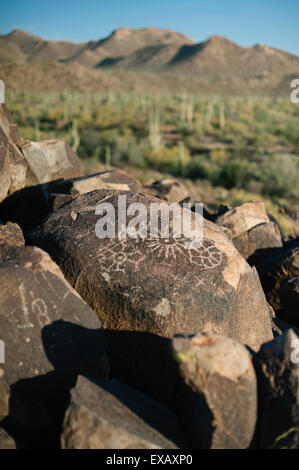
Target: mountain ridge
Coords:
[[152, 51]]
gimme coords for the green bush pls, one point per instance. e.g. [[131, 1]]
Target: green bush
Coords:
[[280, 177]]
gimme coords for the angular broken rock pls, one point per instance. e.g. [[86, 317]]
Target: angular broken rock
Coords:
[[170, 190], [31, 205], [9, 126], [96, 419], [10, 138], [4, 166], [147, 290], [217, 406], [274, 271], [112, 179], [51, 159], [277, 369], [254, 235], [50, 336], [289, 295], [65, 190], [11, 234], [6, 441]]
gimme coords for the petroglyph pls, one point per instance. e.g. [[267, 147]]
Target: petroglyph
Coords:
[[36, 307]]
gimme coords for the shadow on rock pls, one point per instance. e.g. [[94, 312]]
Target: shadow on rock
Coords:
[[37, 405]]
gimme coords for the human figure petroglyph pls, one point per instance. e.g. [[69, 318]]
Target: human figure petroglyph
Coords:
[[36, 307]]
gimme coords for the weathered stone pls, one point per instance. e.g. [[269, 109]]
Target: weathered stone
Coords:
[[11, 234], [50, 336], [276, 270], [289, 295], [4, 166], [31, 205], [97, 419], [6, 441], [18, 168], [254, 235], [4, 396], [277, 369], [51, 159], [113, 179], [218, 402], [156, 287], [17, 165], [9, 126], [243, 218], [170, 190], [259, 243]]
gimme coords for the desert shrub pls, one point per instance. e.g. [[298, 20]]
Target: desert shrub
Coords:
[[89, 143], [235, 173], [260, 113], [198, 167], [280, 177], [172, 159]]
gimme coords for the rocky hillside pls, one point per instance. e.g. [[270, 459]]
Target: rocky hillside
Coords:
[[138, 343], [139, 58]]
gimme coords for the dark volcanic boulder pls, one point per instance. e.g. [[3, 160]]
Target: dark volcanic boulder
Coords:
[[29, 206], [274, 271], [99, 419], [254, 235], [147, 290], [277, 369], [217, 405], [50, 336], [155, 285]]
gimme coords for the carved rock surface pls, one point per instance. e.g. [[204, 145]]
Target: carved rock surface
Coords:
[[147, 290], [96, 419], [218, 403], [50, 336]]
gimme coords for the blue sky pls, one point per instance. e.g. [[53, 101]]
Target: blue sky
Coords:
[[271, 22]]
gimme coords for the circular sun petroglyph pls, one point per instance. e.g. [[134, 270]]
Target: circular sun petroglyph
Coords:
[[120, 257], [131, 254], [206, 256]]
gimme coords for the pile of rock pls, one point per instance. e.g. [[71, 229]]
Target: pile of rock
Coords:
[[253, 233], [140, 342], [24, 163]]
